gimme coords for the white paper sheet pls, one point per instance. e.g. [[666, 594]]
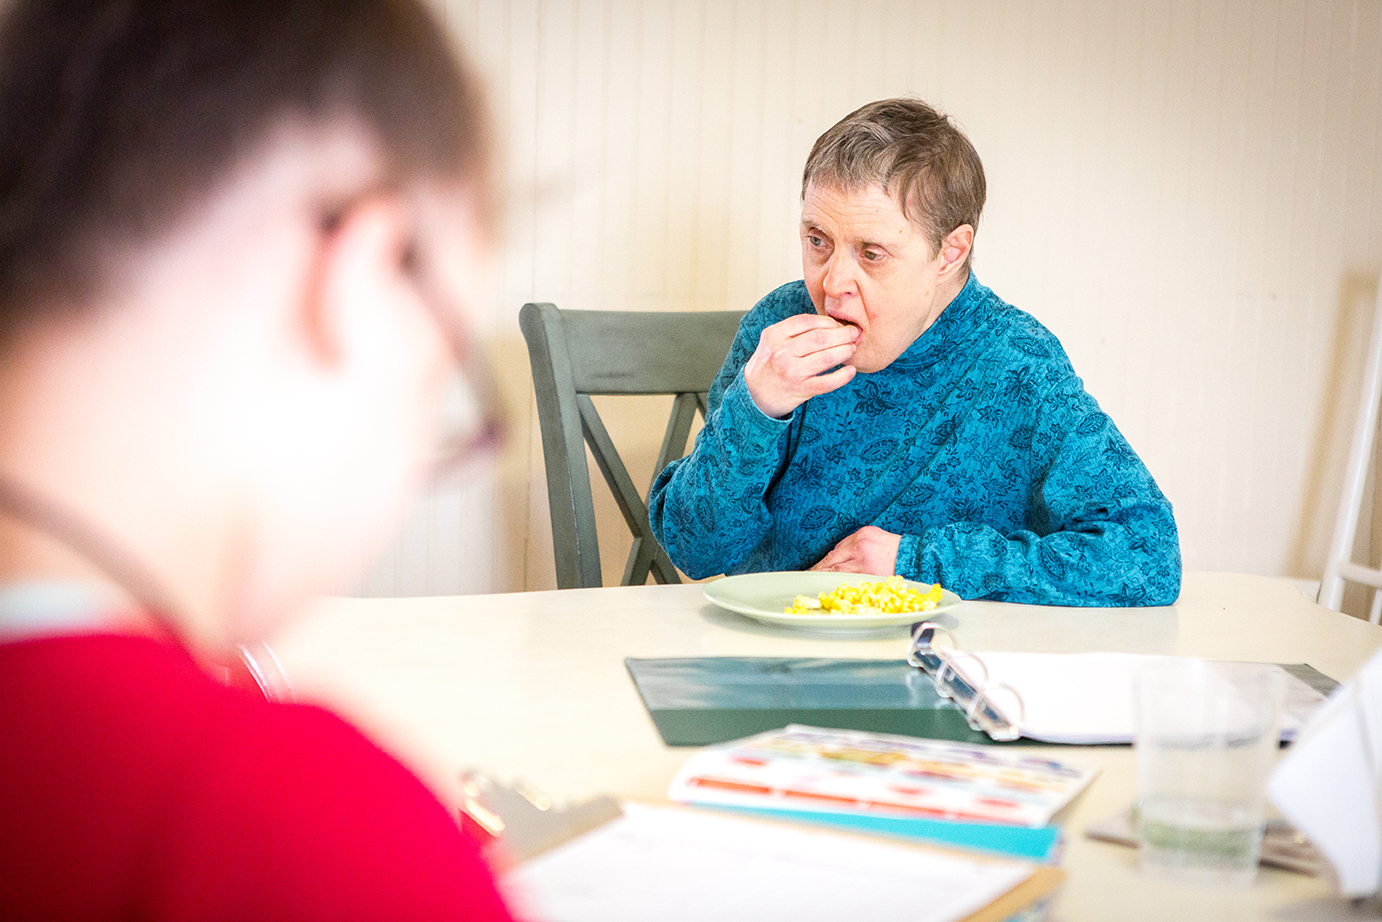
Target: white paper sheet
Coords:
[[1327, 785], [1088, 697], [684, 865]]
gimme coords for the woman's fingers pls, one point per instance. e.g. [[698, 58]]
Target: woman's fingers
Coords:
[[786, 368], [824, 340], [830, 381], [869, 550]]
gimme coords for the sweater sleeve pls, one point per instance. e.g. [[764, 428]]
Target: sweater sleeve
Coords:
[[708, 510], [1101, 532]]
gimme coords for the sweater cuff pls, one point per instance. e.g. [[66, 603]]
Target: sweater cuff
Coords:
[[751, 426], [909, 558]]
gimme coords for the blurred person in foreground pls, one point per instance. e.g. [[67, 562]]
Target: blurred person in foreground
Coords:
[[891, 415], [235, 247]]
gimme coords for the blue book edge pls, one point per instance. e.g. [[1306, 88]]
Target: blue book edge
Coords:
[[1034, 844]]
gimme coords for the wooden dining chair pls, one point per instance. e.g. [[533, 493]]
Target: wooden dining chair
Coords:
[[578, 354]]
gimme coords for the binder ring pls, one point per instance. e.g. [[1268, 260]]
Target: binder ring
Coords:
[[982, 666], [974, 699], [972, 710], [1017, 696], [921, 640]]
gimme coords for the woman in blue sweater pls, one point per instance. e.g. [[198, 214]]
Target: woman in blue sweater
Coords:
[[889, 414]]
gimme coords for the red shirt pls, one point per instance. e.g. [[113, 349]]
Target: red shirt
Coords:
[[132, 785]]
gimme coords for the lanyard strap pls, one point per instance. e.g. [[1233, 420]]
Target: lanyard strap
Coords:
[[40, 609]]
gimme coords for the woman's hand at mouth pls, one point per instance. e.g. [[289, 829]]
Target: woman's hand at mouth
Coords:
[[794, 362]]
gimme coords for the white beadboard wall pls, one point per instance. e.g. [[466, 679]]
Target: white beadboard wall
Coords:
[[1188, 193]]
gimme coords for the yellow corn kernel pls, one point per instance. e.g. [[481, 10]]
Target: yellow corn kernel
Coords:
[[891, 596]]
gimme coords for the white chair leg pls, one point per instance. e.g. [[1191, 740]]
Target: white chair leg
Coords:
[[1346, 527]]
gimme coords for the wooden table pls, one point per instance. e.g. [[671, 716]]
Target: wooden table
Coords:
[[533, 686]]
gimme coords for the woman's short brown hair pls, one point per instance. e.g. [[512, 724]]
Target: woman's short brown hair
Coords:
[[118, 115], [914, 153]]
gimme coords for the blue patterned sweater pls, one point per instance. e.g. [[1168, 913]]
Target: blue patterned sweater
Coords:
[[978, 445]]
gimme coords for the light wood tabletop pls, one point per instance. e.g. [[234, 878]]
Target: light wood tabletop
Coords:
[[533, 686]]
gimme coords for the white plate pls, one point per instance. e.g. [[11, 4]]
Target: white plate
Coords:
[[764, 596]]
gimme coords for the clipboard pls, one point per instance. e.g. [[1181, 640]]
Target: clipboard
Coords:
[[1038, 888]]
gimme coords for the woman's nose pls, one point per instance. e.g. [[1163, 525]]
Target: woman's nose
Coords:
[[839, 274]]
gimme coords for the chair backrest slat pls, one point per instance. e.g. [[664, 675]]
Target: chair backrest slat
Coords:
[[611, 465], [625, 352], [575, 354]]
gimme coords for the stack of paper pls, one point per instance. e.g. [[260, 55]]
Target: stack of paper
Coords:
[[1330, 783], [680, 865]]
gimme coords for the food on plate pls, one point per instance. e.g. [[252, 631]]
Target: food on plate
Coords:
[[893, 595]]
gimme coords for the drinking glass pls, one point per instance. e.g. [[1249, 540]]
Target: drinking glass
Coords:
[[1207, 736]]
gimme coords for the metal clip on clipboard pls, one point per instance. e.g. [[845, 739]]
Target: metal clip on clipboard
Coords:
[[522, 820], [938, 662]]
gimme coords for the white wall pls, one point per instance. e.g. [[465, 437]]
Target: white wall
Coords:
[[1188, 193]]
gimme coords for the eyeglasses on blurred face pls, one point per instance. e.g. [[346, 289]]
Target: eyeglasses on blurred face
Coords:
[[471, 426], [472, 421]]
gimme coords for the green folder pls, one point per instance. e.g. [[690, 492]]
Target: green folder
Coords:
[[694, 701]]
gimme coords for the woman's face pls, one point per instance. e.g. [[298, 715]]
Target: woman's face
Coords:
[[358, 450], [866, 264]]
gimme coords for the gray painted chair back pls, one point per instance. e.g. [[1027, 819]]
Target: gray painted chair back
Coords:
[[576, 354]]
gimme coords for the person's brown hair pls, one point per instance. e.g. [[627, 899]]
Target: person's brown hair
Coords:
[[117, 115], [914, 153]]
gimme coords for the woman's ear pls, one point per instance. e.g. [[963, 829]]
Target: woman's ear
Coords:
[[357, 266], [955, 249]]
